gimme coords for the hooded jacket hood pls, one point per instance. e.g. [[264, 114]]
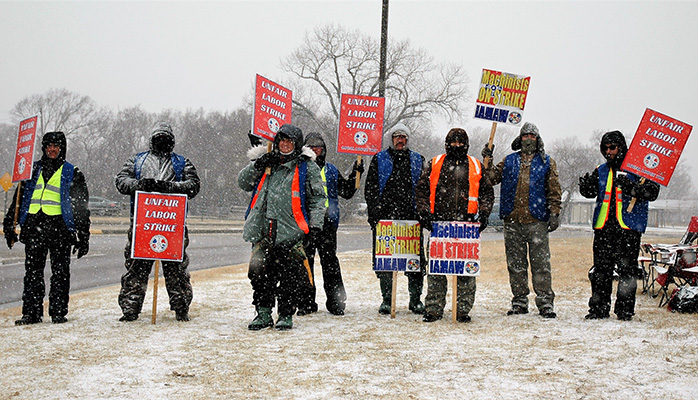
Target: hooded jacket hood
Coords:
[[162, 140], [527, 129], [457, 135], [617, 138], [55, 138], [314, 139]]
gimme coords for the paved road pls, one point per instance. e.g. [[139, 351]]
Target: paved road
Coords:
[[104, 265]]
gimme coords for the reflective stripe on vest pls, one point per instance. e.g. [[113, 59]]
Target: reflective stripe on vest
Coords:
[[474, 175], [603, 213], [324, 185], [47, 196], [296, 200]]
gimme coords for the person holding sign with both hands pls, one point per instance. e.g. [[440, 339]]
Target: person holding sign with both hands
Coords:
[[453, 188]]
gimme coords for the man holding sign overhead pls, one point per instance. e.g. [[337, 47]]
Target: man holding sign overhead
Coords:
[[618, 228], [453, 188]]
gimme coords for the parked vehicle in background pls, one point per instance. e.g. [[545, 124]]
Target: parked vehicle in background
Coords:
[[495, 222], [101, 206]]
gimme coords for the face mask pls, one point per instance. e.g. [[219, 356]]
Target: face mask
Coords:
[[457, 152], [528, 146]]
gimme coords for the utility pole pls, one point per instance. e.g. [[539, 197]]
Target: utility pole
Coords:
[[383, 50]]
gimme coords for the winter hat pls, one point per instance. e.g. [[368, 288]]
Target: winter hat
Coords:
[[457, 135], [57, 138], [617, 138], [398, 129], [162, 139], [529, 128]]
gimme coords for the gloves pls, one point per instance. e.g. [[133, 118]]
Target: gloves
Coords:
[[254, 139], [358, 167], [146, 185], [487, 152], [553, 222], [267, 160], [484, 221], [82, 246], [585, 181], [11, 237], [165, 187], [625, 184]]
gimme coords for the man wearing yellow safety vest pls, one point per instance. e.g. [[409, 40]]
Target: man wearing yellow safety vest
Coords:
[[453, 188], [326, 241], [288, 201], [54, 217], [530, 207], [617, 230]]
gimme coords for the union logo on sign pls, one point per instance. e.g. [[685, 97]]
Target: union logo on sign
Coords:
[[651, 161], [158, 243]]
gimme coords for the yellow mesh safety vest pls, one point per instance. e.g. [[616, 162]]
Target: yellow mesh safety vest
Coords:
[[47, 196], [324, 185]]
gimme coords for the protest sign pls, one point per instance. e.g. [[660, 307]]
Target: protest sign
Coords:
[[24, 153], [502, 97], [656, 147], [360, 124], [397, 245], [454, 249], [158, 226], [271, 109]]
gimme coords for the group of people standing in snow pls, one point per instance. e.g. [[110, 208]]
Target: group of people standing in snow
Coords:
[[294, 212]]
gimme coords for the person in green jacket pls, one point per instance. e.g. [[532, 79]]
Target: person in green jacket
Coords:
[[288, 200]]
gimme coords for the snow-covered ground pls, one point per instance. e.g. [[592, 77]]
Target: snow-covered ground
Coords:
[[359, 355]]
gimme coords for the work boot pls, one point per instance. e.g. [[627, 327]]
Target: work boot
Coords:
[[182, 316], [386, 281], [415, 285], [59, 319], [262, 320], [284, 323], [517, 310], [463, 318], [28, 320], [428, 317], [128, 317]]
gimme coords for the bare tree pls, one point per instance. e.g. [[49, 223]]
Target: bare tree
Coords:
[[334, 60], [60, 109]]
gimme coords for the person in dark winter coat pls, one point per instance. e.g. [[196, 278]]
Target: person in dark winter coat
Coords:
[[390, 195], [617, 228], [530, 208], [325, 241], [461, 193], [288, 202], [163, 171], [54, 217]]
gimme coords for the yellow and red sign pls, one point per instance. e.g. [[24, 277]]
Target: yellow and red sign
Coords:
[[158, 226], [360, 124], [502, 97], [656, 147], [272, 108], [397, 245], [24, 153], [454, 248]]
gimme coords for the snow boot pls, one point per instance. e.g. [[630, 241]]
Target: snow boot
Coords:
[[284, 323], [28, 320], [415, 283], [386, 281], [262, 320]]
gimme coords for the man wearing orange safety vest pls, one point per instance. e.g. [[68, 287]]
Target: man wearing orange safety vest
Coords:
[[288, 201], [617, 230], [453, 188]]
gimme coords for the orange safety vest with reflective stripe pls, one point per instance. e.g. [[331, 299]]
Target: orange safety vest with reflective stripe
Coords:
[[297, 197], [605, 205], [474, 175]]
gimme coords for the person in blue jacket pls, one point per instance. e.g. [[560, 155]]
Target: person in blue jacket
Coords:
[[325, 241], [618, 228], [54, 217]]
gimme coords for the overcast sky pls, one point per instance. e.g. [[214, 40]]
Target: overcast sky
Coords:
[[593, 65]]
